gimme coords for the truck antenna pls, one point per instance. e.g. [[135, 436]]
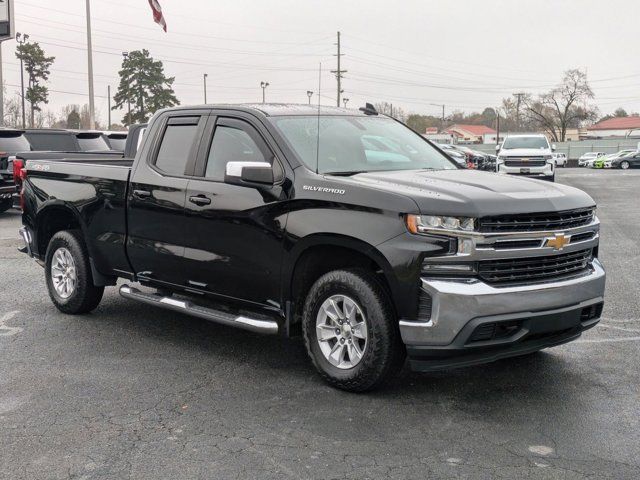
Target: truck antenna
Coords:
[[318, 137]]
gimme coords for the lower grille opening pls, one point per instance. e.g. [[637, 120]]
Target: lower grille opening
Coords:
[[424, 306], [592, 312], [495, 331]]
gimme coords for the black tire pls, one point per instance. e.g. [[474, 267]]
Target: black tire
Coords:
[[384, 354], [5, 204], [85, 296]]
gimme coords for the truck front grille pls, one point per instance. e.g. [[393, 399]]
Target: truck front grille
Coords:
[[535, 222], [525, 163], [535, 269]]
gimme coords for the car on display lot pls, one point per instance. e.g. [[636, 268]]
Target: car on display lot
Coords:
[[587, 157], [560, 159], [528, 155], [631, 159], [371, 257], [455, 155]]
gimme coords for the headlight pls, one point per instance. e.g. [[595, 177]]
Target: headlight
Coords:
[[424, 223], [501, 159], [548, 157]]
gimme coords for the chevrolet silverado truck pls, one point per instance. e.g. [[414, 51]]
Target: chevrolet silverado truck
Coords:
[[527, 155], [287, 219]]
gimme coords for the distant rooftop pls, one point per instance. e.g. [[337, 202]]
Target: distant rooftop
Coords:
[[472, 129], [617, 123]]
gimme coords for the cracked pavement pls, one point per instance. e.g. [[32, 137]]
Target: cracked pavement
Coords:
[[131, 391]]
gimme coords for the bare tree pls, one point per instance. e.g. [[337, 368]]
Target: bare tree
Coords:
[[563, 107]]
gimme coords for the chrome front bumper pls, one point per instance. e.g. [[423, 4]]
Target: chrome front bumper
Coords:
[[545, 171], [456, 303]]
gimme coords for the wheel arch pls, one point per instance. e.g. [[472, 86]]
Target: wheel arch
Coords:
[[320, 253]]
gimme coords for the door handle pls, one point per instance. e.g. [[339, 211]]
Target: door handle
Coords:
[[200, 200], [141, 194]]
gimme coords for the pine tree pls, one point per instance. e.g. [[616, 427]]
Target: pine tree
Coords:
[[37, 66], [143, 87]]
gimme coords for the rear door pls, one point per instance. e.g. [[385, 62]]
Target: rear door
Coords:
[[236, 233], [156, 197]]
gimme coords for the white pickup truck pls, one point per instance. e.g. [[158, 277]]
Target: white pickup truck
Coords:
[[526, 155]]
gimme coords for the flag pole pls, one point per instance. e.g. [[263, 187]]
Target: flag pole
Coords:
[[92, 111]]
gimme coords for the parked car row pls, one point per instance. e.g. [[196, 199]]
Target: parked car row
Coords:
[[468, 158], [624, 159]]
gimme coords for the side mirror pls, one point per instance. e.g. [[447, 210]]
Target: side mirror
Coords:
[[249, 173], [553, 147], [497, 147]]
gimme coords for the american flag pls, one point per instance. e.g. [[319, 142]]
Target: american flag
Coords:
[[157, 14]]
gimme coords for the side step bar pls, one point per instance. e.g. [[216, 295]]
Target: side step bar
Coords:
[[218, 316]]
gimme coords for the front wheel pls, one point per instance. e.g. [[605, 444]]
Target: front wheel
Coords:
[[351, 332], [624, 165], [68, 274]]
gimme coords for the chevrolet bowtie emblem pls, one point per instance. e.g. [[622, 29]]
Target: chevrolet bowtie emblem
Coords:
[[558, 242]]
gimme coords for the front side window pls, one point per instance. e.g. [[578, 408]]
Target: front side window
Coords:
[[351, 144], [176, 146], [230, 144]]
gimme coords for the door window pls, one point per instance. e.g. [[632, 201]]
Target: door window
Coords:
[[177, 143], [231, 144]]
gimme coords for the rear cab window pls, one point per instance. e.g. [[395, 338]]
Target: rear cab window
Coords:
[[13, 142], [50, 141], [92, 142]]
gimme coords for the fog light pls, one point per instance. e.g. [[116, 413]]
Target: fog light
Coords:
[[449, 268]]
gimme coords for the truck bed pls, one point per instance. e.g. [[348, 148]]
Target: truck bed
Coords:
[[96, 189]]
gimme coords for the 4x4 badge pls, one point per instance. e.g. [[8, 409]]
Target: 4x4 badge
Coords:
[[558, 242]]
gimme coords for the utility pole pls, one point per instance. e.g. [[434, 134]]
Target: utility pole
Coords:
[[92, 107], [339, 72], [109, 106], [204, 77], [21, 39], [309, 94], [519, 96], [264, 86]]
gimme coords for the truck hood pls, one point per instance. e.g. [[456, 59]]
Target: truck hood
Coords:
[[524, 152], [473, 193]]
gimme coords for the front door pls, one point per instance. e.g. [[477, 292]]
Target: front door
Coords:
[[234, 248], [156, 198]]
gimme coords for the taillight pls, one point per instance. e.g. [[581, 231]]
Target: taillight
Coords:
[[18, 166]]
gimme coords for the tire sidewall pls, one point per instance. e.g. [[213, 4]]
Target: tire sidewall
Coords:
[[83, 276], [375, 310], [623, 167]]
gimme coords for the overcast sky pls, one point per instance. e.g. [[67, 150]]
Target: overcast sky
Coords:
[[467, 54]]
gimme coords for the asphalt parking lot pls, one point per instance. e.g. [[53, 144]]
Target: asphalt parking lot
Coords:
[[135, 392]]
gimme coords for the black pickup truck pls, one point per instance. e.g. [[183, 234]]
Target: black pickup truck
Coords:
[[288, 219]]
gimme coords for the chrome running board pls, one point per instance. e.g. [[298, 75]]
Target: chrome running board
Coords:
[[259, 325]]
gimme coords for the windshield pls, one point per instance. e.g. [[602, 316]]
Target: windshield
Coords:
[[525, 142], [358, 144]]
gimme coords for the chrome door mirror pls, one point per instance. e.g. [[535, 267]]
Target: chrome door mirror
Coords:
[[249, 173]]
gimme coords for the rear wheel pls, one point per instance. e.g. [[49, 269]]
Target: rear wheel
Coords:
[[68, 274], [350, 330], [624, 165]]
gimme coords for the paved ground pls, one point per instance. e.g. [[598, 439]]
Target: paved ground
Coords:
[[135, 392]]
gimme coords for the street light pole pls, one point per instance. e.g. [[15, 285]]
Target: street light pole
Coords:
[[309, 94], [21, 39], [264, 86], [92, 107], [345, 101], [205, 87]]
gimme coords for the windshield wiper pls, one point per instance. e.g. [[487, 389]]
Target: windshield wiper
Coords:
[[347, 173]]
